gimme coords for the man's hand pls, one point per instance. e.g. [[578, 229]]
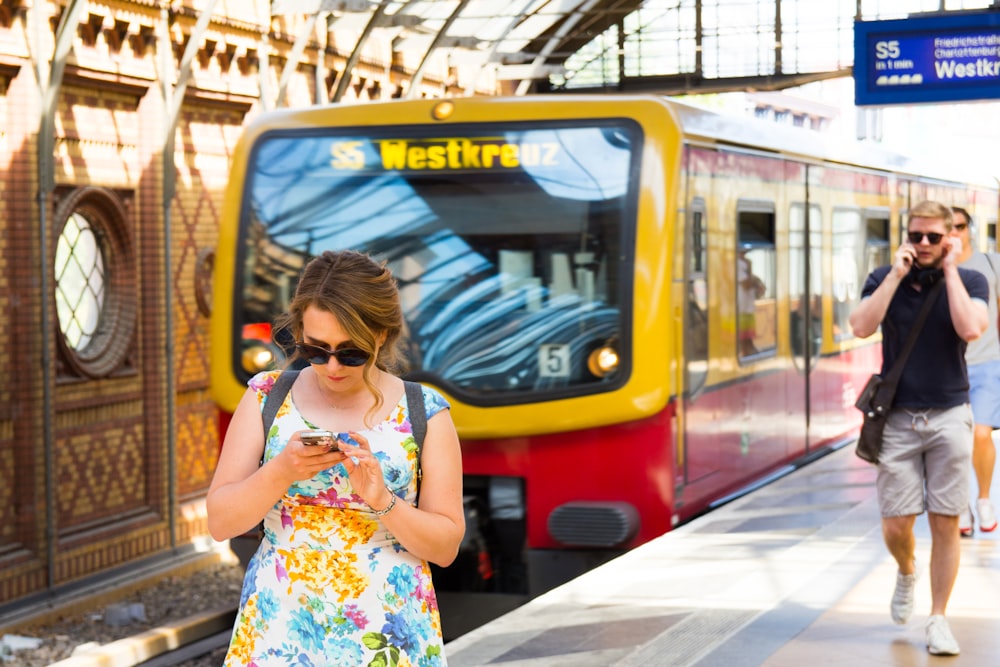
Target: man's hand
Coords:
[[952, 251], [905, 256]]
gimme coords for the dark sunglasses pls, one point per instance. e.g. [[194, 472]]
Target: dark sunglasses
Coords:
[[349, 356], [961, 226], [932, 237]]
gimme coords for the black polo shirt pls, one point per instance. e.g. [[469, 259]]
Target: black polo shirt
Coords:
[[935, 375]]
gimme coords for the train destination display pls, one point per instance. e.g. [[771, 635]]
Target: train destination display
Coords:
[[933, 58]]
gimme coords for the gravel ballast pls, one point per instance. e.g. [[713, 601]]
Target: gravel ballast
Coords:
[[170, 600]]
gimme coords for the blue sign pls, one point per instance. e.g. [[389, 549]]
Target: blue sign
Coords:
[[930, 58]]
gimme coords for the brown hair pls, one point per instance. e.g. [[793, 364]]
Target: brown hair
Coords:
[[362, 294], [968, 218], [932, 209]]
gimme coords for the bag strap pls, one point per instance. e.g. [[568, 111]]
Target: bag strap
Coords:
[[892, 379], [418, 422], [275, 398], [996, 275]]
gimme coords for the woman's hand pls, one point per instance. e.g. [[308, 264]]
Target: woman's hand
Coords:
[[300, 461], [365, 472]]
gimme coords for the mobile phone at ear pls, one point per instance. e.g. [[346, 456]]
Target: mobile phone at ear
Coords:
[[318, 437]]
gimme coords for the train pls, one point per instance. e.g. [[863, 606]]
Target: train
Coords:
[[637, 308]]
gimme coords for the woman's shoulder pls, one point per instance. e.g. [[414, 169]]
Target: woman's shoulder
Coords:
[[263, 382], [434, 402]]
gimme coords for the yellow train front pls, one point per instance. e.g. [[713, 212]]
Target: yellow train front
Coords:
[[635, 308]]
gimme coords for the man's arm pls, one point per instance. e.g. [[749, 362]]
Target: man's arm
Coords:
[[969, 316], [865, 319]]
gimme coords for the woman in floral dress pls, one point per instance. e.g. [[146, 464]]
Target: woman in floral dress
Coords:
[[341, 577]]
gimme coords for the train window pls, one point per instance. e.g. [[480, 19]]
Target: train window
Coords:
[[805, 284], [94, 285], [876, 243], [756, 272], [512, 245], [846, 279], [696, 330]]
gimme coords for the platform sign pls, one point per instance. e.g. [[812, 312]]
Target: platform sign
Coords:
[[929, 58]]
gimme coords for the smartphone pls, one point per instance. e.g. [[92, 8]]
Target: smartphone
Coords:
[[313, 438]]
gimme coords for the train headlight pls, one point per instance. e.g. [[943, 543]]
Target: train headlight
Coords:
[[257, 357], [603, 361], [443, 110]]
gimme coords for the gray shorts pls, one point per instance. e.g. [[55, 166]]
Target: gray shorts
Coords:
[[925, 460]]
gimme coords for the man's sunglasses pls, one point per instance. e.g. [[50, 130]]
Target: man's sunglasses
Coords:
[[348, 356], [916, 237]]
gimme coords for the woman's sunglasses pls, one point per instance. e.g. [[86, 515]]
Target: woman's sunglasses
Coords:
[[348, 356], [932, 237]]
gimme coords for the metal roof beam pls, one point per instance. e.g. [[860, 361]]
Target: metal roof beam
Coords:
[[377, 19], [493, 54], [572, 18], [439, 39], [292, 61]]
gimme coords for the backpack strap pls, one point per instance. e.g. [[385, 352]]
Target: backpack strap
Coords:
[[418, 422], [275, 398]]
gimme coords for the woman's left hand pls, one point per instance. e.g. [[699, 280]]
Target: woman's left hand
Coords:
[[365, 472]]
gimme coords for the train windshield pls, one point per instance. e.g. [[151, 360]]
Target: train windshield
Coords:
[[512, 245]]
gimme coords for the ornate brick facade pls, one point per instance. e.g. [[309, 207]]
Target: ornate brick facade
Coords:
[[107, 450]]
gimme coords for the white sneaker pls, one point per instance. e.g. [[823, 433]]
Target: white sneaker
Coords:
[[940, 641], [987, 517], [965, 523], [902, 598]]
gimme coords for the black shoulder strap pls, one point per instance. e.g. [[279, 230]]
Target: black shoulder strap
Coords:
[[418, 413], [276, 397], [892, 378], [418, 421]]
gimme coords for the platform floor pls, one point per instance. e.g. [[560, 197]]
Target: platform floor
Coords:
[[794, 574]]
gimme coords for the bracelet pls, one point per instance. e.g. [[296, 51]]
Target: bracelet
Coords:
[[387, 508]]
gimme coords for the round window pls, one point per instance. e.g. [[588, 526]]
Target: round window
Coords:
[[94, 275], [80, 282]]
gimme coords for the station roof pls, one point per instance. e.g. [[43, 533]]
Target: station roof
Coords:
[[524, 39], [661, 46]]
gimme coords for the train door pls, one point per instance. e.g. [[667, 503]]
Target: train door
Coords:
[[805, 314]]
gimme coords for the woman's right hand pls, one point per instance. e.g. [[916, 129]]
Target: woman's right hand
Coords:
[[300, 461]]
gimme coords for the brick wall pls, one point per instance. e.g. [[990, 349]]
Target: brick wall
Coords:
[[85, 443]]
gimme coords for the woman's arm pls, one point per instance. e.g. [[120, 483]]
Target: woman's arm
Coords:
[[242, 490], [434, 530]]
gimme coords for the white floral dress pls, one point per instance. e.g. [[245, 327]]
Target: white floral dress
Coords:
[[329, 586]]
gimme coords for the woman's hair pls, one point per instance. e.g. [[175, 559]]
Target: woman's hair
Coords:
[[933, 209], [362, 294]]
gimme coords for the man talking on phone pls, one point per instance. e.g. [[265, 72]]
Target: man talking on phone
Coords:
[[927, 443]]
